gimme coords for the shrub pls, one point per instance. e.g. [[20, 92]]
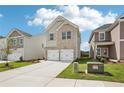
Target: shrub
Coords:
[[98, 58], [76, 60], [103, 59]]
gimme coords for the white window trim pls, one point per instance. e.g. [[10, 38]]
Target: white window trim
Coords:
[[104, 36], [100, 51]]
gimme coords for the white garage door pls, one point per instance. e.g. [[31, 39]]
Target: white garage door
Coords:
[[66, 54], [52, 54]]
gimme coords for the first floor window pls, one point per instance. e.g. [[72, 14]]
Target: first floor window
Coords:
[[98, 51]]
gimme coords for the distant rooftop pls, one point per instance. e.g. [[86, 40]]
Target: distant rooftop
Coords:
[[1, 37], [105, 26], [24, 33]]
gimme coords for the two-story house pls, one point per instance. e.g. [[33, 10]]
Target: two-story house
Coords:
[[59, 41], [108, 40], [62, 40]]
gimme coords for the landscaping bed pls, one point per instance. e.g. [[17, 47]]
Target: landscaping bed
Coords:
[[112, 72], [13, 65]]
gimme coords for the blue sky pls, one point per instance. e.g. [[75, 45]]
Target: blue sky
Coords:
[[34, 19]]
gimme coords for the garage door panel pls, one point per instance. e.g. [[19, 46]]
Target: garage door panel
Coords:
[[53, 54], [67, 54]]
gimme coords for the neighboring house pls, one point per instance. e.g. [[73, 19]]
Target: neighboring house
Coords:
[[22, 44], [3, 47], [108, 40], [59, 41], [15, 44]]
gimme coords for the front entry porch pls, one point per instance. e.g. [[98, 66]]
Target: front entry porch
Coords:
[[103, 49]]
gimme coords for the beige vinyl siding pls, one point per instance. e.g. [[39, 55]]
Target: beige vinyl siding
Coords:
[[96, 36], [92, 47], [73, 43], [112, 52], [34, 47], [107, 36], [115, 50]]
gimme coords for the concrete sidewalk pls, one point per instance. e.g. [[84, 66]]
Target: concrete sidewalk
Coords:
[[60, 82]]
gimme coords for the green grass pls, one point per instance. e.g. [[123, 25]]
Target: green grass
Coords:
[[14, 65], [113, 72]]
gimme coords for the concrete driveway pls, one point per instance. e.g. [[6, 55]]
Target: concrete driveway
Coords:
[[39, 74], [43, 75]]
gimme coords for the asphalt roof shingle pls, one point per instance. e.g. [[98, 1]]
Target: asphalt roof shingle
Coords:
[[24, 33], [105, 26]]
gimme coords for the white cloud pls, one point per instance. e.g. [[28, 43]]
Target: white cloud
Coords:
[[43, 17], [85, 46], [86, 18], [1, 15]]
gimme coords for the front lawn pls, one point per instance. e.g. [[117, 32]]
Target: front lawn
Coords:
[[113, 72], [14, 65]]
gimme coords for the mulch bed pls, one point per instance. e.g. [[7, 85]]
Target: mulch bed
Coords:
[[110, 62]]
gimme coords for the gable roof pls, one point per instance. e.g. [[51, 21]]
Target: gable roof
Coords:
[[60, 20], [20, 31]]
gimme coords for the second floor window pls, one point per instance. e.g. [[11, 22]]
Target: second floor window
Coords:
[[21, 41], [66, 35], [69, 35], [51, 36], [14, 42], [63, 35], [101, 36]]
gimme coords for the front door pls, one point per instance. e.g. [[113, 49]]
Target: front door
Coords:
[[104, 52]]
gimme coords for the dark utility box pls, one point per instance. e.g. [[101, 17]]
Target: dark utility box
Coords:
[[95, 67]]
